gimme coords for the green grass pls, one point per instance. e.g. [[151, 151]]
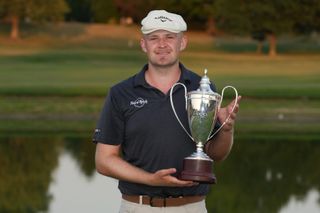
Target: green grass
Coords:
[[92, 72], [67, 60], [286, 44], [56, 80], [78, 115]]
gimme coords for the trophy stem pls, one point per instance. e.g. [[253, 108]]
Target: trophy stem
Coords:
[[199, 145], [199, 153]]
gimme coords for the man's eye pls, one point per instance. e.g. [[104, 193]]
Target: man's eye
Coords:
[[170, 37]]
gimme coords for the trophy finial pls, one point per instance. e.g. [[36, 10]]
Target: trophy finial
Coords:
[[205, 83]]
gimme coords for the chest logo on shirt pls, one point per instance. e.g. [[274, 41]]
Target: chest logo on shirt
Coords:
[[139, 102]]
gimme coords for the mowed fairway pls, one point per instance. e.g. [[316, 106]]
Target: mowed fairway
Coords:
[[43, 78], [91, 71]]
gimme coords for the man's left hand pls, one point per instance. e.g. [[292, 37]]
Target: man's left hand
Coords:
[[224, 113]]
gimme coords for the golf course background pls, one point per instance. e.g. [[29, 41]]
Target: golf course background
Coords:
[[54, 79]]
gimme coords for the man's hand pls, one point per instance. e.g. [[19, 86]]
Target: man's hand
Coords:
[[224, 113], [164, 177], [219, 147]]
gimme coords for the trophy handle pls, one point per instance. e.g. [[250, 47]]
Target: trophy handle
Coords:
[[234, 106], [172, 106]]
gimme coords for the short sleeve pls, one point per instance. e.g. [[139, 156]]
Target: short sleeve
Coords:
[[110, 127]]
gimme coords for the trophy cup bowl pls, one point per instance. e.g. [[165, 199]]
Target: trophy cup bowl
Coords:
[[202, 106]]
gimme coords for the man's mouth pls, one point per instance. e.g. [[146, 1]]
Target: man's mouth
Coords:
[[162, 53]]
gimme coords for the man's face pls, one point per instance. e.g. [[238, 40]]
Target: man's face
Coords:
[[163, 47]]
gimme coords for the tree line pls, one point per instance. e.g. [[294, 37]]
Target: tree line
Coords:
[[262, 19]]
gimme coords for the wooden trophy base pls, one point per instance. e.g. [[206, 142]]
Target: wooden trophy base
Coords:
[[198, 170]]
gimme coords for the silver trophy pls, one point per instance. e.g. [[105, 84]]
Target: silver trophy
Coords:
[[202, 106]]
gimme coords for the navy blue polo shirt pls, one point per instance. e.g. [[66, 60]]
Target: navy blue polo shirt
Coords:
[[139, 117]]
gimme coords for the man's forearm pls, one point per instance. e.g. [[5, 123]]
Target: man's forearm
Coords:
[[110, 163], [219, 147], [114, 166]]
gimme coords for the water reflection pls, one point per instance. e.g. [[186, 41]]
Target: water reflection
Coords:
[[56, 174], [308, 203], [25, 173], [263, 176], [74, 192]]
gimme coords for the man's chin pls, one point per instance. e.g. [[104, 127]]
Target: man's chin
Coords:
[[165, 64]]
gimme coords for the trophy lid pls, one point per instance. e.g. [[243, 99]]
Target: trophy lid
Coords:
[[204, 88], [205, 83]]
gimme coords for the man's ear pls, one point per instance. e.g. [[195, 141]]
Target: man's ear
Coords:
[[184, 42], [143, 45]]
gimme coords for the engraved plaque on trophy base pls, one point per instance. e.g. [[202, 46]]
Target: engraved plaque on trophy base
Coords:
[[198, 170]]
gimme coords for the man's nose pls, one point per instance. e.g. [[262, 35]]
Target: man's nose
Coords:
[[162, 42]]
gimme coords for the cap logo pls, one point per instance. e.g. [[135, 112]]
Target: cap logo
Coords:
[[163, 18]]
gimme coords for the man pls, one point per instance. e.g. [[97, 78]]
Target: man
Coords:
[[140, 142]]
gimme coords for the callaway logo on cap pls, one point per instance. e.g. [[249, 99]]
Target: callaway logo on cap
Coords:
[[162, 20]]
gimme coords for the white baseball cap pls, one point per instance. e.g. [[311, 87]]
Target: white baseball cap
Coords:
[[162, 20]]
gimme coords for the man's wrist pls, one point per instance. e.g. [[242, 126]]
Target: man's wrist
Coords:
[[228, 130]]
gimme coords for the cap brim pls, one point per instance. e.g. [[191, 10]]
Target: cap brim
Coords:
[[153, 30]]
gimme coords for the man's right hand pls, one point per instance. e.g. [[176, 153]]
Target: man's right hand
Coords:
[[164, 177]]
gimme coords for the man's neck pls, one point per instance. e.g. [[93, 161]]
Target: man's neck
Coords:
[[163, 78]]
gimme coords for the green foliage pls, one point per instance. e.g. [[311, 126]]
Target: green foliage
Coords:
[[25, 174], [237, 16], [230, 16], [103, 10], [139, 8], [34, 10], [308, 16], [80, 10], [14, 7]]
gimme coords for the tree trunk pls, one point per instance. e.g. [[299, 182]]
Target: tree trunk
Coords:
[[14, 27], [259, 47], [211, 26], [272, 44]]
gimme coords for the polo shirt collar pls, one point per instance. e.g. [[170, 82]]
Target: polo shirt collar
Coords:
[[140, 80]]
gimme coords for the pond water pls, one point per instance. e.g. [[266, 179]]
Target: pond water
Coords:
[[56, 174]]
